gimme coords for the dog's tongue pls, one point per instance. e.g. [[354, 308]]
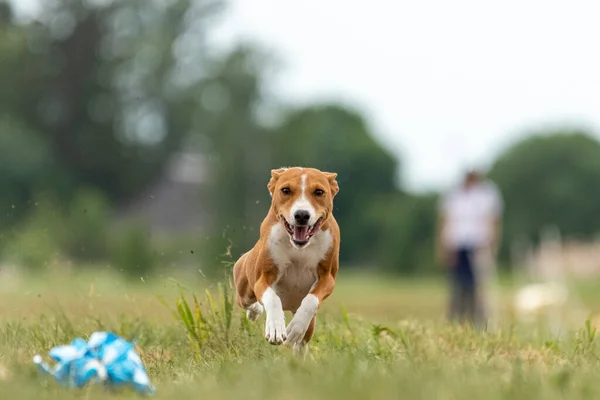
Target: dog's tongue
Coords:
[[301, 233]]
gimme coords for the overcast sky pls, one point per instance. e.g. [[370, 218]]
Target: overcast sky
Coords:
[[444, 83]]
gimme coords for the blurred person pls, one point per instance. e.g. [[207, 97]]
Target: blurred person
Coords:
[[467, 240]]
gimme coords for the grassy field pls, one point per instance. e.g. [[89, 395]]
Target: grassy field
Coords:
[[376, 338]]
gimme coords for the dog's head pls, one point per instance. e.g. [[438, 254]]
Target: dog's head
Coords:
[[302, 199]]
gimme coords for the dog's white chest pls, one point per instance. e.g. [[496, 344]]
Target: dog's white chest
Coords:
[[297, 267]]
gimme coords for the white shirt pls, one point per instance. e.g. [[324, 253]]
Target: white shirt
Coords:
[[468, 215]]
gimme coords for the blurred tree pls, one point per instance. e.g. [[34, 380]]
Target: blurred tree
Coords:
[[105, 92], [336, 139], [407, 226], [232, 93], [6, 14], [550, 179], [26, 163]]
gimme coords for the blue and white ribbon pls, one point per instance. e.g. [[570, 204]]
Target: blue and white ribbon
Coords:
[[104, 358]]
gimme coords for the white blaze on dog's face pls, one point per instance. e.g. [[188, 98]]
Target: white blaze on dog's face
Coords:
[[302, 199]]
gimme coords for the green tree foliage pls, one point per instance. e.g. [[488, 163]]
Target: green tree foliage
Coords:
[[550, 179], [50, 233], [239, 151], [406, 223], [132, 252], [336, 139], [26, 165], [97, 95]]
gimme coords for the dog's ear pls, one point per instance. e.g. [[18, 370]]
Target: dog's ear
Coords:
[[332, 182], [275, 174]]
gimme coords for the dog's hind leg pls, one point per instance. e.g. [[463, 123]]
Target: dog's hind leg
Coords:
[[253, 308], [244, 294], [254, 311]]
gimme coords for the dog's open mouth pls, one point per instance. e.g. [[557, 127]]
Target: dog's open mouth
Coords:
[[301, 234]]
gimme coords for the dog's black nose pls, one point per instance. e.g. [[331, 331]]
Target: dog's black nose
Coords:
[[301, 217]]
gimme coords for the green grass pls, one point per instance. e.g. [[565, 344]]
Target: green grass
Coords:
[[375, 338]]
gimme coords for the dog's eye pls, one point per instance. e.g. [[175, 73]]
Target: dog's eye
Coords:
[[286, 190], [319, 192]]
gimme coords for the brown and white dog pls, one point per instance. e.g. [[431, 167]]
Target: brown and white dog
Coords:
[[294, 264]]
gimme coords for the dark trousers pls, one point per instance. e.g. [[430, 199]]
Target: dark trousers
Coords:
[[464, 304]]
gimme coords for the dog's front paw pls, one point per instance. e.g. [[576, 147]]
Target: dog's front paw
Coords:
[[275, 330], [299, 324], [296, 330]]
